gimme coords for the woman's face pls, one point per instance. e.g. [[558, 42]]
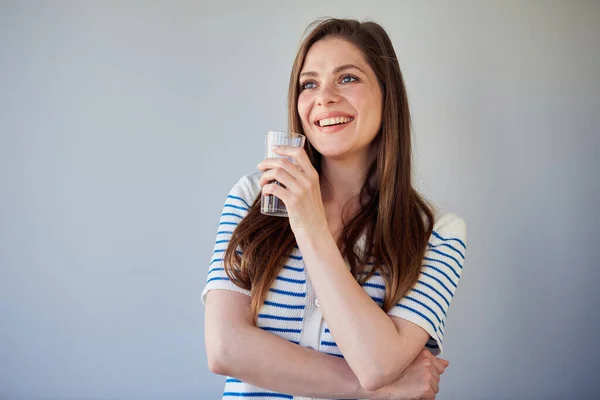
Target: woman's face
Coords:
[[340, 101]]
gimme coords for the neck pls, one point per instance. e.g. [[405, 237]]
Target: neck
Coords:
[[344, 177]]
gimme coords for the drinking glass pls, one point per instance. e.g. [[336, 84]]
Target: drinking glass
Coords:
[[269, 204]]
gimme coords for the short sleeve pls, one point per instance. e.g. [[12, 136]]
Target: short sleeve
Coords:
[[237, 205], [427, 303]]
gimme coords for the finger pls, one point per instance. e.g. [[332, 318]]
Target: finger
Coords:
[[427, 354], [440, 364], [297, 153], [277, 191], [435, 386], [434, 373], [279, 175], [270, 163]]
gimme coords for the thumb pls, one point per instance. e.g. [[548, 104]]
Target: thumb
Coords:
[[442, 364]]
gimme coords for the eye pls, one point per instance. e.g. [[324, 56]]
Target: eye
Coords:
[[307, 85], [348, 79]]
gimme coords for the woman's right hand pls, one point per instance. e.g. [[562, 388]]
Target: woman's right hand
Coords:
[[420, 381]]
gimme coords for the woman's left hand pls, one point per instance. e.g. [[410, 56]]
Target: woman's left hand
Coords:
[[302, 192]]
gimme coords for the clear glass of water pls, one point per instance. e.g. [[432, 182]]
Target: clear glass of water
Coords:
[[269, 204]]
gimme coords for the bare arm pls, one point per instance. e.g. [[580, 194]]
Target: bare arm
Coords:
[[380, 348], [236, 347]]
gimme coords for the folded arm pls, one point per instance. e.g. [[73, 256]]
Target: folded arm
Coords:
[[381, 346], [237, 348]]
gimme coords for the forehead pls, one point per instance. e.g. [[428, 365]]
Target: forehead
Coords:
[[331, 52]]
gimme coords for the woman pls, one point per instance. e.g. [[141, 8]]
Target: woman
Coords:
[[347, 297]]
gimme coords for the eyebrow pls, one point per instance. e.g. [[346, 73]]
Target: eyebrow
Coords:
[[335, 71]]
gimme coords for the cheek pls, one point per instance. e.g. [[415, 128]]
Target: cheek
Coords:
[[369, 105], [303, 109]]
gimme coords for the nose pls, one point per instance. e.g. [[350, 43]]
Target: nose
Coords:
[[328, 94]]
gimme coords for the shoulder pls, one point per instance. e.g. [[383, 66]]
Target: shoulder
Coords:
[[450, 227], [247, 188]]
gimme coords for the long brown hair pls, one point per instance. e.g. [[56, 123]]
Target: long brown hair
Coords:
[[396, 220]]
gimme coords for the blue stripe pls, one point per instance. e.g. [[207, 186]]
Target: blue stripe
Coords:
[[337, 355], [214, 270], [257, 394], [224, 232], [222, 241], [238, 198], [293, 341], [449, 256], [418, 313], [295, 257], [223, 251], [233, 380], [325, 343], [377, 299], [432, 246], [443, 273], [283, 305], [430, 298], [215, 260], [288, 293], [374, 285], [327, 330], [293, 268], [445, 263], [299, 281], [236, 207], [279, 318], [437, 235], [228, 223], [438, 281], [435, 290], [231, 215], [217, 279], [283, 330], [426, 306]]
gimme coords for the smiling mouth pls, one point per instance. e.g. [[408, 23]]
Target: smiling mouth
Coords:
[[334, 121]]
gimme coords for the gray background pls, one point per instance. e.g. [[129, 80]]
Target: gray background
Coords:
[[124, 124]]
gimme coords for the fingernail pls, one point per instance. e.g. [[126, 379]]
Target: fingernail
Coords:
[[275, 147]]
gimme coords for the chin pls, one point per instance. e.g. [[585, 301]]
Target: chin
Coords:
[[332, 151]]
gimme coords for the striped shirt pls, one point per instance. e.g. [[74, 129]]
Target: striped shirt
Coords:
[[291, 309]]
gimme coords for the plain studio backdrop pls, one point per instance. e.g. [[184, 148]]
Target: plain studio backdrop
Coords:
[[123, 125]]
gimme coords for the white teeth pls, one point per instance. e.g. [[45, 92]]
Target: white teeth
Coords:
[[335, 120]]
